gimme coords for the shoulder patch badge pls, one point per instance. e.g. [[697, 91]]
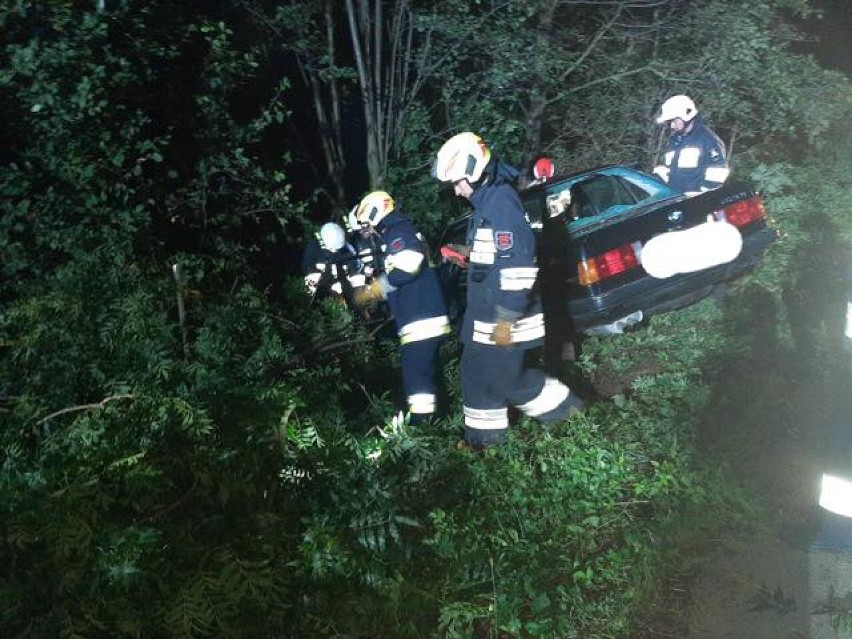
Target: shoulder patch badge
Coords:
[[397, 245], [504, 240]]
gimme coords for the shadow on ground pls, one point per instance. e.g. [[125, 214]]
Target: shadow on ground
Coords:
[[777, 397]]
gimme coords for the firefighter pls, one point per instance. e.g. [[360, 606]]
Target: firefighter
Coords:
[[409, 284], [330, 263], [367, 245], [503, 319], [835, 496], [694, 158]]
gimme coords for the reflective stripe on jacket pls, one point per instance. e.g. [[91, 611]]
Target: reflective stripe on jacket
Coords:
[[414, 294], [502, 270]]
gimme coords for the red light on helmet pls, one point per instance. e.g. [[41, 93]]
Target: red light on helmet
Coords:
[[543, 169]]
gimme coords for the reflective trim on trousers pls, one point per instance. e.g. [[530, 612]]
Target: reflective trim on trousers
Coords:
[[486, 418], [551, 396], [518, 278], [424, 329], [835, 495], [421, 404], [527, 329], [716, 174]]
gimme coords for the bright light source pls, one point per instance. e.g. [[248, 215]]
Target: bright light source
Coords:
[[836, 495]]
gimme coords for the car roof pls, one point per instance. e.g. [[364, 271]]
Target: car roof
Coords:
[[605, 169]]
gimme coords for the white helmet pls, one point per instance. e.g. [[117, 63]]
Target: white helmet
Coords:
[[332, 236], [677, 106], [373, 208], [463, 156]]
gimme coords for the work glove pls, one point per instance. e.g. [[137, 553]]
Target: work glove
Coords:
[[366, 295], [311, 282], [458, 254], [502, 334]]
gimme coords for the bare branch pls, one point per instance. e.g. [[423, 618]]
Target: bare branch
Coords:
[[73, 409], [594, 43]]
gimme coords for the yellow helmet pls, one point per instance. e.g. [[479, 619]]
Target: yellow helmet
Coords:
[[463, 156], [374, 208]]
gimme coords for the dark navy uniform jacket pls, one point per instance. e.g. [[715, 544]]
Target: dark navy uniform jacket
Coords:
[[502, 269], [695, 161], [412, 288], [318, 259]]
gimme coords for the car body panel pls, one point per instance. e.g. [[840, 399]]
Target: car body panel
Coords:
[[611, 207]]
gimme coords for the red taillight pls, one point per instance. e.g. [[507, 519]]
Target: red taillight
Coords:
[[604, 266], [743, 212]]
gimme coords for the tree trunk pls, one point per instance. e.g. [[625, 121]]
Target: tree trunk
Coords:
[[538, 100], [366, 44]]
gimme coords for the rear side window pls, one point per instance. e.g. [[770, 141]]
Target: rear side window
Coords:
[[601, 194], [635, 190]]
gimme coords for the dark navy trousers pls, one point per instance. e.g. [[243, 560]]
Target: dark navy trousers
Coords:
[[419, 360], [494, 378]]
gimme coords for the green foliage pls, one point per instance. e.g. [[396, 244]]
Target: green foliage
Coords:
[[213, 487], [117, 133]]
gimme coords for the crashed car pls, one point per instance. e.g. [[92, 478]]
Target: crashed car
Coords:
[[617, 245]]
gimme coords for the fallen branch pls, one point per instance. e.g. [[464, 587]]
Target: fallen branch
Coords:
[[337, 345], [330, 346], [74, 409]]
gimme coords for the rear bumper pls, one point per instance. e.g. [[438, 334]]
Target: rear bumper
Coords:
[[652, 295]]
